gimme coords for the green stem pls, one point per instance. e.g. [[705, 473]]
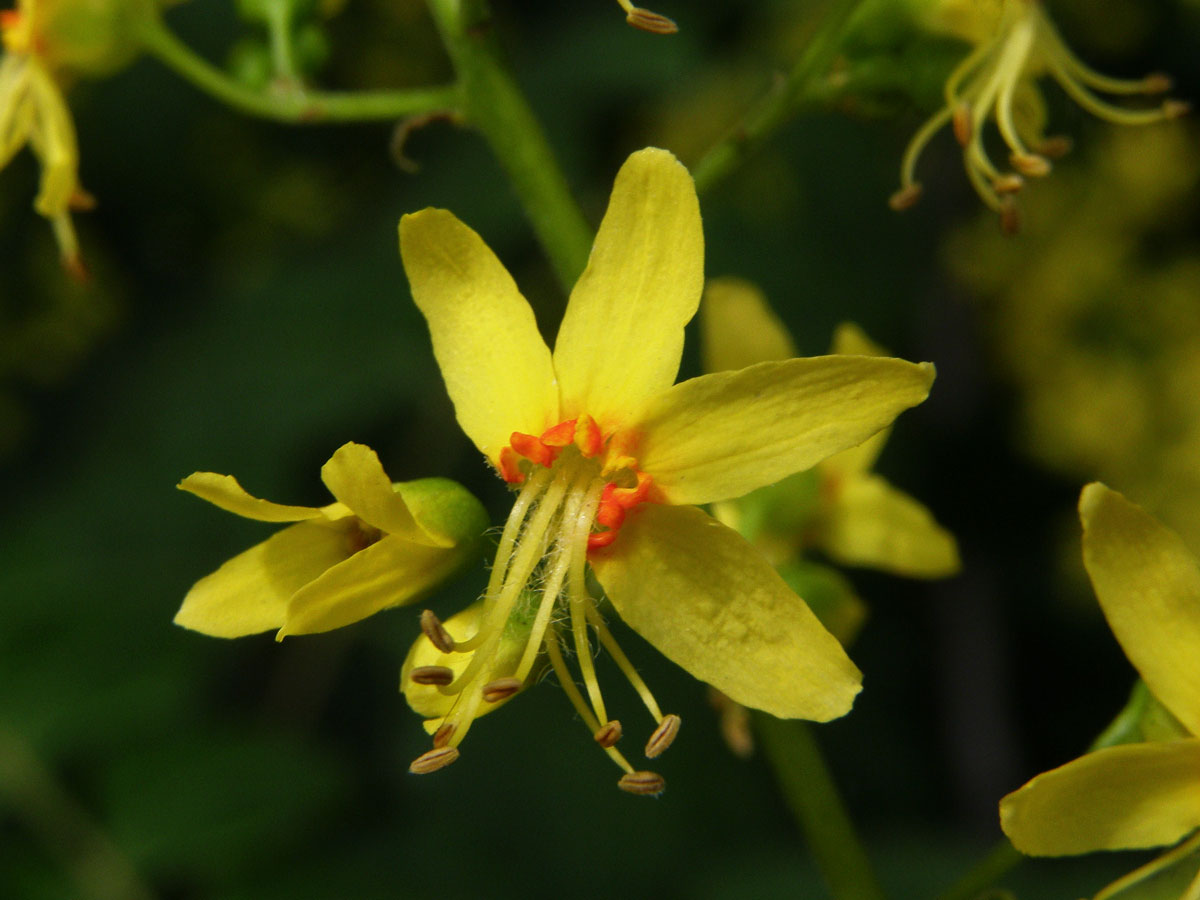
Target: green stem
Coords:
[[804, 778], [999, 861], [494, 105], [292, 104], [29, 790], [802, 86], [279, 27]]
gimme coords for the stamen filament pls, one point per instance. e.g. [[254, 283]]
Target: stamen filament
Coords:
[[1098, 107], [554, 651], [623, 663]]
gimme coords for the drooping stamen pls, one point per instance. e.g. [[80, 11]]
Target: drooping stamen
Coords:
[[433, 629], [663, 736], [608, 734], [501, 689], [442, 736], [438, 675], [644, 784], [432, 760]]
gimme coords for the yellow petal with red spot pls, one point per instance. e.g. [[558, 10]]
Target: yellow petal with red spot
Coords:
[[622, 335], [1148, 584], [720, 436], [391, 572], [356, 477], [738, 328], [870, 523], [1124, 797], [495, 364], [706, 599], [225, 491], [249, 593]]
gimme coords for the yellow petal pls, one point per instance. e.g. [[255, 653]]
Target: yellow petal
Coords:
[[225, 492], [1148, 585], [250, 592], [1126, 797], [622, 335], [709, 601], [738, 327], [355, 476], [850, 340], [493, 359], [390, 572], [720, 436], [870, 523]]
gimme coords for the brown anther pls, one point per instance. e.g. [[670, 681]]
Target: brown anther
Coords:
[[432, 626], [608, 733], [1031, 165], [663, 736], [1173, 109], [439, 675], [437, 758], [1055, 147], [1157, 83], [501, 689], [1008, 183], [442, 736], [962, 124], [905, 198], [650, 21], [1010, 217], [645, 784]]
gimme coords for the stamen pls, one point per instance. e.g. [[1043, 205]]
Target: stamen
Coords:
[[1055, 147], [442, 736], [650, 21], [906, 197], [439, 675], [432, 760], [962, 124], [610, 644], [644, 784], [1030, 164], [1008, 184], [608, 734], [433, 629], [1010, 217], [501, 689], [663, 736]]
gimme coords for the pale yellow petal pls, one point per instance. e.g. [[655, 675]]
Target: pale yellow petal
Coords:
[[250, 592], [1148, 584], [225, 492], [850, 340], [720, 436], [495, 364], [622, 335], [706, 599], [390, 572], [356, 478], [1126, 797], [870, 523], [738, 328]]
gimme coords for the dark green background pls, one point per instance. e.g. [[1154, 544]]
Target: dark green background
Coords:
[[248, 314]]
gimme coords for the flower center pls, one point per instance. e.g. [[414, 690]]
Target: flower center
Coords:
[[573, 498]]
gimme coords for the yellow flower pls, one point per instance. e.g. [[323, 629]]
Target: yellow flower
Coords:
[[1015, 43], [611, 457], [380, 545], [33, 111], [858, 518], [43, 41], [1131, 795]]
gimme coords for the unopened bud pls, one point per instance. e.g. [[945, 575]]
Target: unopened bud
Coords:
[[1031, 165], [905, 198], [608, 734], [663, 736], [437, 758], [501, 689], [432, 626], [646, 784], [439, 675], [650, 21]]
